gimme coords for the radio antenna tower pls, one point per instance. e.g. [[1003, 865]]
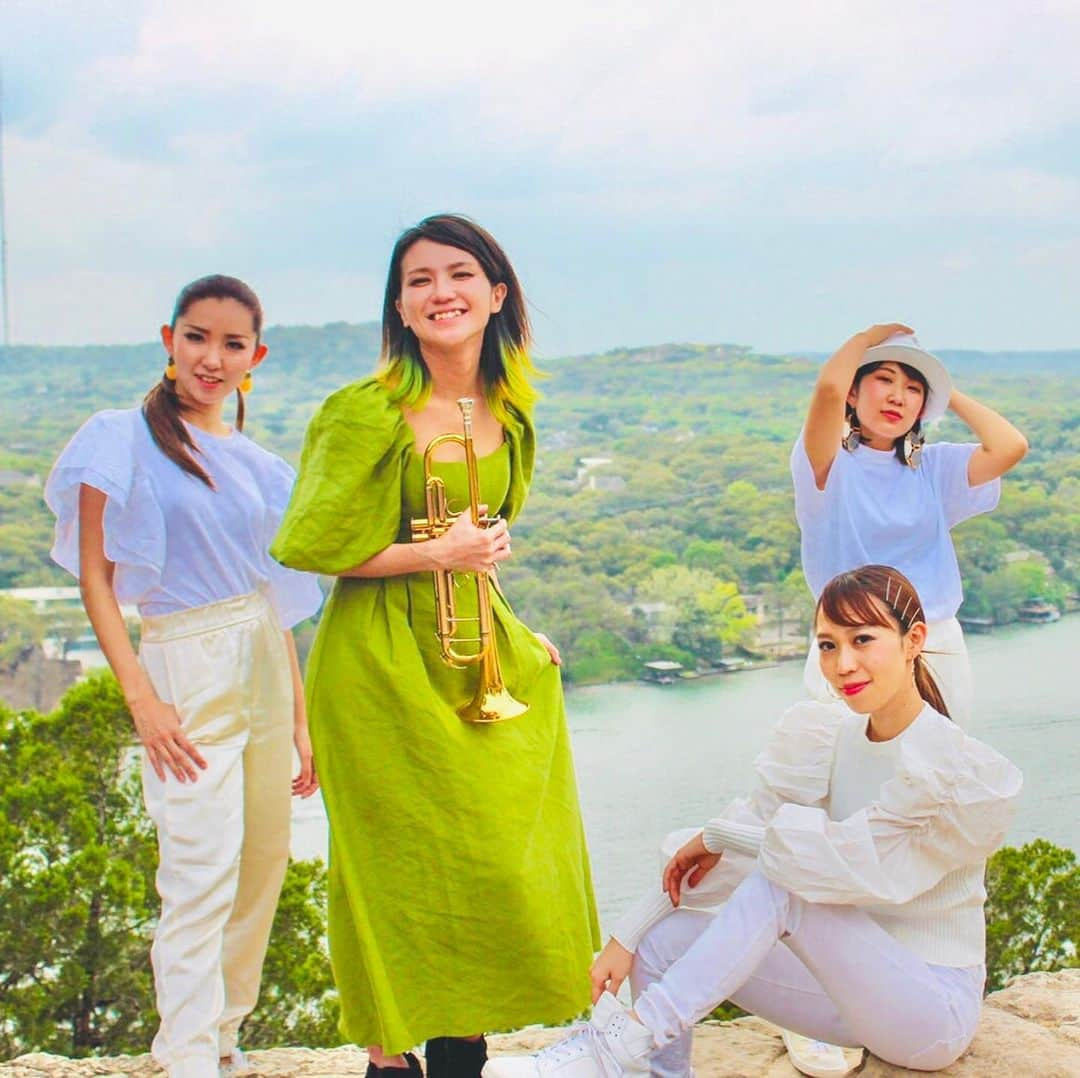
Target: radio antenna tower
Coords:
[[3, 227]]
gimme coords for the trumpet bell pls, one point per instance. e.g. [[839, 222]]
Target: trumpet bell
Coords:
[[492, 706]]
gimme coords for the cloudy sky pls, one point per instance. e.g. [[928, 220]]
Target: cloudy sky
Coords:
[[769, 173]]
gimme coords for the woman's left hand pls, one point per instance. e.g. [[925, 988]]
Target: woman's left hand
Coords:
[[552, 650], [307, 782], [611, 968]]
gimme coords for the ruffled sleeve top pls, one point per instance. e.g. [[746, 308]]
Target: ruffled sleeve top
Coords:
[[177, 543], [901, 828]]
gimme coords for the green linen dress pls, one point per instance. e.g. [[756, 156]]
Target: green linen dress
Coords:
[[460, 894]]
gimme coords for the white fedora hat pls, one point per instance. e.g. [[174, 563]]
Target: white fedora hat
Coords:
[[905, 348]]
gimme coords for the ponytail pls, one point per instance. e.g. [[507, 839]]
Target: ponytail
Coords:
[[162, 407], [163, 413], [928, 687], [856, 597]]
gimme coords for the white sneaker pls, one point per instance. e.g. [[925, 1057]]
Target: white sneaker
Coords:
[[610, 1045], [237, 1064], [814, 1058]]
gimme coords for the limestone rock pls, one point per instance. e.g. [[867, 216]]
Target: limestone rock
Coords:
[[1031, 1028]]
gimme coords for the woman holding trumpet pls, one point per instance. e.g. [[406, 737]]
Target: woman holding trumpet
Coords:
[[460, 893]]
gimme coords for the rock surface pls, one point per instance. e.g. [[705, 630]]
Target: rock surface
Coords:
[[1031, 1028]]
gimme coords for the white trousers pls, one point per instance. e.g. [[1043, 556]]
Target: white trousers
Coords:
[[828, 972], [223, 840], [945, 653]]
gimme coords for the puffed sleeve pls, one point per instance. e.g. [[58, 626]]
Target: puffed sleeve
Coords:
[[102, 455], [521, 434], [795, 766], [947, 465], [940, 811], [295, 595], [346, 504]]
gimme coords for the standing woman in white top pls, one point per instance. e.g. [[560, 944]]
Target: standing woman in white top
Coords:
[[169, 508], [844, 898], [867, 490]]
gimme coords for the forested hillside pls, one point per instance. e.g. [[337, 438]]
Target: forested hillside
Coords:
[[662, 479]]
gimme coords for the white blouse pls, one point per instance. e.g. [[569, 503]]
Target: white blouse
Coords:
[[875, 510], [901, 828], [176, 543]]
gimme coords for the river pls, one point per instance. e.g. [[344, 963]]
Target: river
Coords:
[[650, 758]]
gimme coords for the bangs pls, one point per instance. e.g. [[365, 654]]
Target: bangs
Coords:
[[847, 601]]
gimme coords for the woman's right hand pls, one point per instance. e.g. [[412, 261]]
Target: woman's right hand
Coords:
[[876, 334], [465, 548], [159, 729], [691, 858], [610, 969]]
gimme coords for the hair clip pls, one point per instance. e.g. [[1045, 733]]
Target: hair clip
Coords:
[[903, 616], [888, 581]]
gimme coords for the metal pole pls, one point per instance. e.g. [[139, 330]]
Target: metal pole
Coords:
[[3, 225]]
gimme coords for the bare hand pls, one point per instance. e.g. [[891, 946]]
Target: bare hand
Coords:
[[610, 969], [159, 729], [307, 782], [552, 650], [692, 858], [876, 334], [465, 548]]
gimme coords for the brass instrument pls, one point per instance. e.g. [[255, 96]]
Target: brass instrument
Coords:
[[491, 702]]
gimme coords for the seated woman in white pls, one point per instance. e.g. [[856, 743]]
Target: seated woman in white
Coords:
[[844, 898]]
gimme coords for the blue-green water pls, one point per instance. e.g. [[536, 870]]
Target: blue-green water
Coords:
[[651, 758]]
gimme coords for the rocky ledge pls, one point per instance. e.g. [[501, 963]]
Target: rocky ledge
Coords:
[[1031, 1028]]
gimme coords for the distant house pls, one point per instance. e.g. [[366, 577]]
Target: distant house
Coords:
[[661, 671]]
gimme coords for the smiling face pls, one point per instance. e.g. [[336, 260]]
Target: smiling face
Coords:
[[446, 299], [869, 665], [213, 343], [887, 401]]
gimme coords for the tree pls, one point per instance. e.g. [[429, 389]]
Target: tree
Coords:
[[1032, 911], [77, 897]]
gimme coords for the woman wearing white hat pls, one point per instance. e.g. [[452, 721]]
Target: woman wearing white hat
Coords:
[[868, 491]]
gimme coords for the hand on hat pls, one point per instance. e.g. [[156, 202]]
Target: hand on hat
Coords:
[[876, 334]]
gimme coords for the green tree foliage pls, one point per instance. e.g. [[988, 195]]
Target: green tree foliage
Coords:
[[76, 880], [697, 438], [1032, 911], [77, 898]]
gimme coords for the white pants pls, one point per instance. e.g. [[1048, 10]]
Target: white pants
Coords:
[[828, 972], [223, 840], [945, 653]]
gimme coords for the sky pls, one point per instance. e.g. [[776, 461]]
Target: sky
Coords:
[[772, 174]]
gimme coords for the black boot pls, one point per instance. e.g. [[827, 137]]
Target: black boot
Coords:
[[411, 1071], [455, 1057]]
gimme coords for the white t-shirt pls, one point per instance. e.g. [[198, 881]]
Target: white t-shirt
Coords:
[[876, 510], [899, 828], [176, 542]]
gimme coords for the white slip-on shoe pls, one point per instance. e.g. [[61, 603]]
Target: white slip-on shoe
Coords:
[[816, 1059], [610, 1045], [237, 1064]]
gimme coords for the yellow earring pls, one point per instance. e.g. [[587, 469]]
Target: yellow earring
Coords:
[[247, 384], [170, 370]]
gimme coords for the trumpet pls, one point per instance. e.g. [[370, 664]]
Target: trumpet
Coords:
[[491, 702]]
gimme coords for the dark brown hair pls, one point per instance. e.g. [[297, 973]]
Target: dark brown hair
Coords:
[[162, 407], [911, 372], [880, 595], [505, 364]]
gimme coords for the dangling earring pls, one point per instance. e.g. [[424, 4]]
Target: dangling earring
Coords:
[[247, 384], [851, 435], [170, 370], [913, 445]]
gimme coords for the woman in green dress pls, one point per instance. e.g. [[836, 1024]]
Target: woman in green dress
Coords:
[[460, 892]]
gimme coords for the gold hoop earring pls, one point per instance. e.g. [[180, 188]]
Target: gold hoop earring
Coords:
[[247, 384], [170, 370]]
